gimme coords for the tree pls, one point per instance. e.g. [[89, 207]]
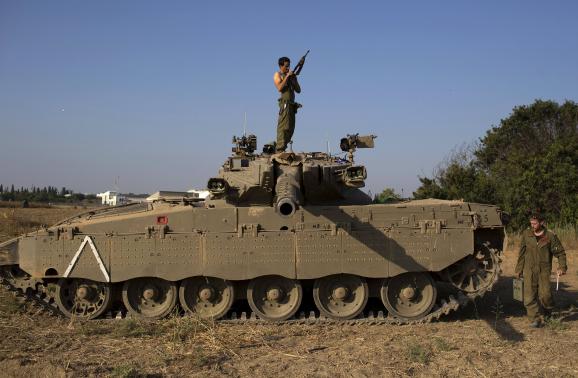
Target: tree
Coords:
[[528, 162], [388, 195], [429, 188]]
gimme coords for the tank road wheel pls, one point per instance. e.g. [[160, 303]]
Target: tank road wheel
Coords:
[[476, 273], [274, 298], [83, 299], [341, 296], [208, 297], [149, 298], [409, 296]]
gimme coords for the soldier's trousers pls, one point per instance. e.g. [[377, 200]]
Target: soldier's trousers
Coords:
[[285, 125], [538, 291]]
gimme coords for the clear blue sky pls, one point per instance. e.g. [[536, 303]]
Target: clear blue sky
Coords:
[[153, 91]]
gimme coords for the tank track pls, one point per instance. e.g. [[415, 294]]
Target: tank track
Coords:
[[39, 299], [35, 298], [370, 318]]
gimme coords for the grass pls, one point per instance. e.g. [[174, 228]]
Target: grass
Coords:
[[181, 329], [125, 371], [206, 342], [202, 357], [555, 324], [419, 353], [10, 305], [125, 328], [131, 327], [497, 310], [93, 327], [16, 221], [442, 345]]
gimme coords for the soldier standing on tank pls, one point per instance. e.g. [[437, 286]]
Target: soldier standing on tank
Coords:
[[286, 82], [537, 248]]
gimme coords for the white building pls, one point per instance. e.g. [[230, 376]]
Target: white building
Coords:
[[172, 196], [200, 194], [111, 198]]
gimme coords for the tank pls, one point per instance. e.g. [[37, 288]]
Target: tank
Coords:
[[285, 236]]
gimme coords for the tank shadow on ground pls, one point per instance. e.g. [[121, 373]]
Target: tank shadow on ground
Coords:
[[495, 308]]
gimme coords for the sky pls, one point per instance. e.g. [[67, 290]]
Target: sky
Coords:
[[146, 95]]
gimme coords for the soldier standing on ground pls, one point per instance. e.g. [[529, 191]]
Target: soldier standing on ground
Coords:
[[538, 246], [287, 84]]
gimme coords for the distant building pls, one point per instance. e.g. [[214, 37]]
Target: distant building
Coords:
[[112, 198], [200, 194], [132, 199], [171, 196]]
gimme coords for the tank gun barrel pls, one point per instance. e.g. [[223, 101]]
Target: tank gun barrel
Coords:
[[288, 191]]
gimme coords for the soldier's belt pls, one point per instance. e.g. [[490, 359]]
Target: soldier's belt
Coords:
[[291, 103]]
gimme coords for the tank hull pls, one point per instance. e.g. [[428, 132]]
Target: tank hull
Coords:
[[174, 242]]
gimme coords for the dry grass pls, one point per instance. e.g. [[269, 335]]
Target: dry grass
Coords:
[[188, 346], [419, 352], [18, 204], [10, 305], [17, 221], [124, 371]]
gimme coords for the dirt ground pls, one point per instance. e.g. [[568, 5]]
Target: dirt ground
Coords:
[[490, 338]]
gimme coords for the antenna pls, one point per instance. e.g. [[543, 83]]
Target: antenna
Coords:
[[245, 125], [328, 145]]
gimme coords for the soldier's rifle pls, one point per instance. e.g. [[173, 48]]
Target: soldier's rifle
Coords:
[[299, 65]]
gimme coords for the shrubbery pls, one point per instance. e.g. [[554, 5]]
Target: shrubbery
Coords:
[[528, 162]]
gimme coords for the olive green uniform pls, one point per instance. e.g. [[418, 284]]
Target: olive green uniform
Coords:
[[286, 121], [535, 263]]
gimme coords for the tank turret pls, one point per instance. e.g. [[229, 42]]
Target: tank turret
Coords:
[[288, 180]]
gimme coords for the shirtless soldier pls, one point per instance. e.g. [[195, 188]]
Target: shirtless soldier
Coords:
[[287, 84]]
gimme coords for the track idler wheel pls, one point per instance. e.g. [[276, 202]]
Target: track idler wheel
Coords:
[[475, 274]]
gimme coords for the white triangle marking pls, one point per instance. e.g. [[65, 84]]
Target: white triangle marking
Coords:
[[88, 240]]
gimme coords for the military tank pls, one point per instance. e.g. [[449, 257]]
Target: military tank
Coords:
[[278, 230]]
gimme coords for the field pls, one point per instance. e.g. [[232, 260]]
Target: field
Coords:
[[490, 338]]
